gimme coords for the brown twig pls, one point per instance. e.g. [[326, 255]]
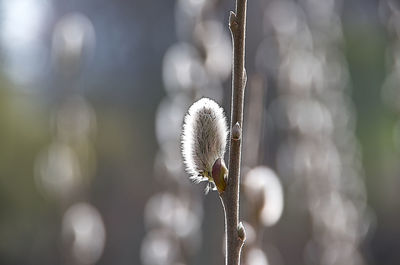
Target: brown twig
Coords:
[[235, 234]]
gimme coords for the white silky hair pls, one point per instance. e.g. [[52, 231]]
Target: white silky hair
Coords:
[[203, 138]]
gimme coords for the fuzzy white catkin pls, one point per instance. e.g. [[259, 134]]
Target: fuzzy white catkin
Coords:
[[203, 138]]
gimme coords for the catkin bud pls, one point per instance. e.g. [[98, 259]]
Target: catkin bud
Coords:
[[204, 141]]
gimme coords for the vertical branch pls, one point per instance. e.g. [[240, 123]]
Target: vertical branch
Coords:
[[254, 119], [235, 234]]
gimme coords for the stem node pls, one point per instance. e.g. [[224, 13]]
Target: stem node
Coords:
[[241, 232], [236, 132], [233, 23]]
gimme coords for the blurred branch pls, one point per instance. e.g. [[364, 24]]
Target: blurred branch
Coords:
[[254, 118], [235, 234]]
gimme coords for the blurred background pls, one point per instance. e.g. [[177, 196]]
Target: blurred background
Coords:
[[92, 99]]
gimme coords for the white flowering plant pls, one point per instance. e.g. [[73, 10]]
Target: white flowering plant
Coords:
[[204, 139]]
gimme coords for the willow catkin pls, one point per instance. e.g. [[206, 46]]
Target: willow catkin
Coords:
[[203, 139]]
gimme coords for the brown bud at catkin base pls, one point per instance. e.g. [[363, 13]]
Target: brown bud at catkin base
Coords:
[[218, 174]]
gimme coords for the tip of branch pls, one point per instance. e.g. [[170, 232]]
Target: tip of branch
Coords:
[[241, 232]]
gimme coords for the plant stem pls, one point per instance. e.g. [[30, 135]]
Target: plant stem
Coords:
[[235, 235]]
